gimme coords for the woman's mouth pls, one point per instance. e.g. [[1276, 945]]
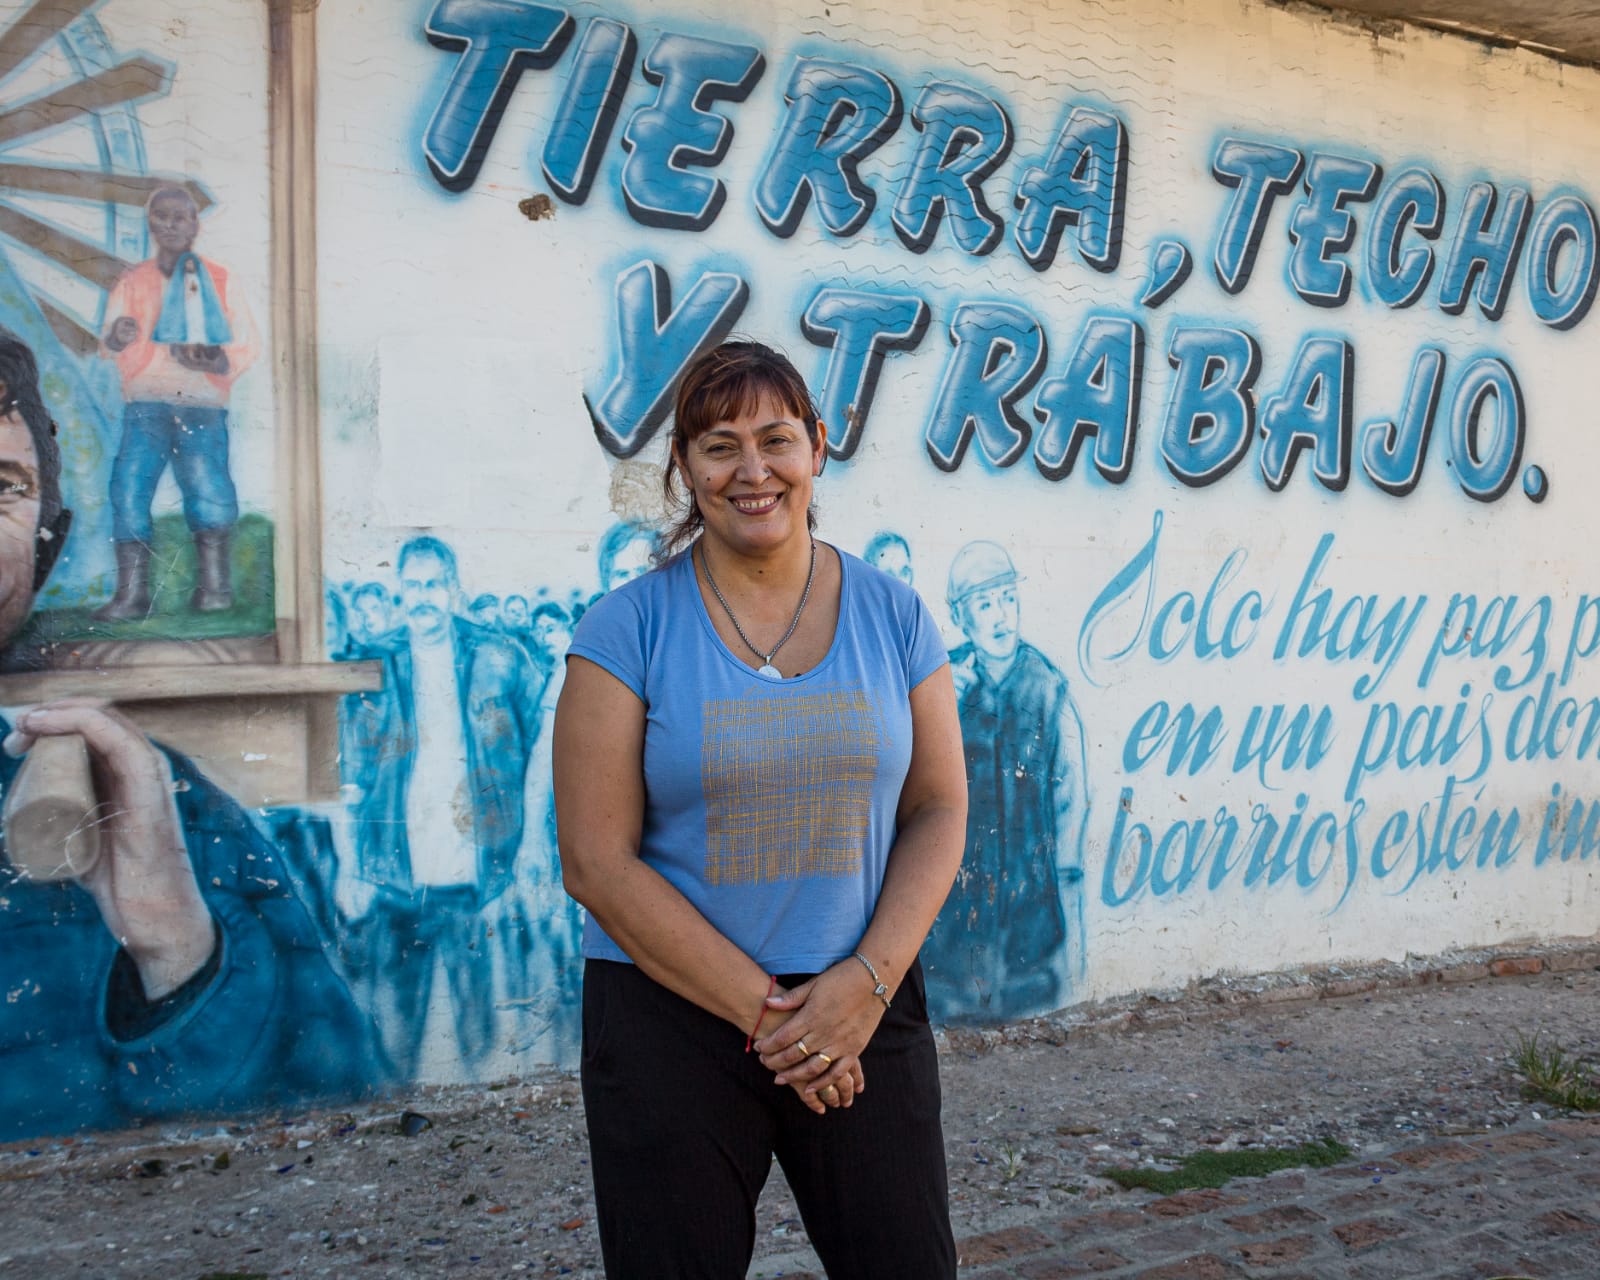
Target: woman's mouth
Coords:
[[755, 504]]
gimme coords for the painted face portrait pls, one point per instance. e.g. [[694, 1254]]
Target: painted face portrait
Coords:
[[992, 620], [892, 558], [19, 519], [174, 224], [427, 591], [632, 561]]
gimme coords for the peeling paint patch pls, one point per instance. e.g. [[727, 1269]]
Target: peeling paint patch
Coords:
[[537, 208]]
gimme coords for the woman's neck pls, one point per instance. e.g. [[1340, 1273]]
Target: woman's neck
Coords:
[[784, 567]]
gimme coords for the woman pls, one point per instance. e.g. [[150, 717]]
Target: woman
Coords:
[[761, 800]]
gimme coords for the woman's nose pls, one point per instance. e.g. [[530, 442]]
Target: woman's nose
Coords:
[[752, 466]]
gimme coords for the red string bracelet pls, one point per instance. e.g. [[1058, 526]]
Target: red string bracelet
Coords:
[[772, 985]]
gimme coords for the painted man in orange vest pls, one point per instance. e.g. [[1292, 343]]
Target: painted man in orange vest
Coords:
[[180, 335]]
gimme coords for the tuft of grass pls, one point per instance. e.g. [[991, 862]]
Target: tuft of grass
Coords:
[[1552, 1075], [1215, 1168]]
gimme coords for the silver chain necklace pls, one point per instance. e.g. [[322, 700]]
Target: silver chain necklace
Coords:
[[767, 669]]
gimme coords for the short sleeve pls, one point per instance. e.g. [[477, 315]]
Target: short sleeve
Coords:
[[611, 635], [925, 647]]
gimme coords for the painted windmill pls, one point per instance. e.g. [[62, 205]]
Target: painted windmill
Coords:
[[73, 188]]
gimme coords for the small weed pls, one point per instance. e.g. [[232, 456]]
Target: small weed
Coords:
[[1215, 1168], [1553, 1076], [1011, 1162]]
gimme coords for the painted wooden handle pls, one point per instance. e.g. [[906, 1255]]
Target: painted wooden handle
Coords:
[[51, 827]]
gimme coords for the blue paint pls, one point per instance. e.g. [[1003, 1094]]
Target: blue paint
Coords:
[[1258, 172], [1210, 417], [1392, 453], [655, 342], [496, 39], [589, 106], [1487, 243], [1356, 628], [1098, 395], [1082, 183], [839, 114], [999, 353], [678, 132], [964, 137], [1322, 227], [1311, 411], [1487, 425], [1489, 628], [860, 328], [1170, 265], [1565, 223], [1414, 201]]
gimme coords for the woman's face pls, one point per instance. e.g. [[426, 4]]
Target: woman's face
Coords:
[[751, 477]]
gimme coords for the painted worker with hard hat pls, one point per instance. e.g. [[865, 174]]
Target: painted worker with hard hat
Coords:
[[1009, 940]]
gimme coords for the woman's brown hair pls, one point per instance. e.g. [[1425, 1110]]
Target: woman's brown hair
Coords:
[[725, 383]]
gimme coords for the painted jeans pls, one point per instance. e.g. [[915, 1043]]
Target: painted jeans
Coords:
[[194, 439]]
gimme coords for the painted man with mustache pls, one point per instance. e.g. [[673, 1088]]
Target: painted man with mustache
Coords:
[[438, 758], [1009, 940]]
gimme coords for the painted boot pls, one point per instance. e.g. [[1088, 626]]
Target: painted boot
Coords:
[[214, 578], [131, 599]]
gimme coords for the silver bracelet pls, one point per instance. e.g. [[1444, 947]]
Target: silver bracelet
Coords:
[[879, 990]]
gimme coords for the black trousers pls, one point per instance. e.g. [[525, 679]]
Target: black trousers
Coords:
[[684, 1125]]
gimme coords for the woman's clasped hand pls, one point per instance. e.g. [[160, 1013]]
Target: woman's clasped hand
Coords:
[[818, 1048]]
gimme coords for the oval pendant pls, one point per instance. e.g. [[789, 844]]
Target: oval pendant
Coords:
[[771, 672]]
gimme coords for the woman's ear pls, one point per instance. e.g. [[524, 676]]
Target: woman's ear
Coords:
[[820, 460]]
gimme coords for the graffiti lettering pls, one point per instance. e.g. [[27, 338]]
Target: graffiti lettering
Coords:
[[838, 115], [860, 328], [496, 40], [589, 107], [1425, 734], [1484, 248], [1489, 630], [1584, 638], [1098, 395], [1444, 834], [1082, 183], [679, 130], [999, 351], [1542, 726], [1355, 630], [1312, 410], [1322, 226], [1392, 453], [1259, 173], [655, 341], [1179, 622], [966, 136], [1412, 199], [1565, 223], [1210, 413]]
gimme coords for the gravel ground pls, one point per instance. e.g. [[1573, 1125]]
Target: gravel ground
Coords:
[[497, 1183]]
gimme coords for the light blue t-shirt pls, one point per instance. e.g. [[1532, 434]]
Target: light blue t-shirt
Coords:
[[770, 804]]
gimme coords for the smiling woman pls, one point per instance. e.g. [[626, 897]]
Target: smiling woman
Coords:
[[761, 800]]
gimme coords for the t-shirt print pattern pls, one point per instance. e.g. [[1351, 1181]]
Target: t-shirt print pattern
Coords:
[[788, 785]]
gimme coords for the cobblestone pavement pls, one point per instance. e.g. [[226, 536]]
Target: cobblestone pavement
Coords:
[[1454, 1173], [1524, 1202]]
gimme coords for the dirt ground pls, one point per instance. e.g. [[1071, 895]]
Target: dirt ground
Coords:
[[497, 1184]]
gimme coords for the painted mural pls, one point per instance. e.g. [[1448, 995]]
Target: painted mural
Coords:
[[1224, 397]]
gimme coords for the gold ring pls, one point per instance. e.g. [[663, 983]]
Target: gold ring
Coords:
[[826, 1090], [801, 1045], [826, 1061]]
